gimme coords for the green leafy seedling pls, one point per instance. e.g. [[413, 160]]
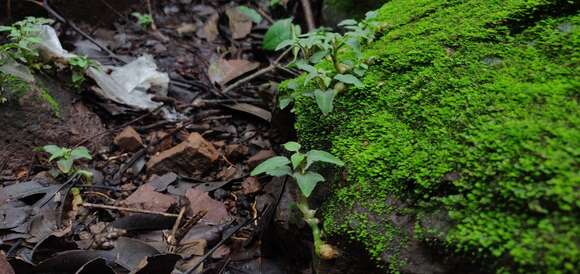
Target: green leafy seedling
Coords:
[[78, 66], [312, 48], [66, 157], [298, 167], [23, 37], [144, 20]]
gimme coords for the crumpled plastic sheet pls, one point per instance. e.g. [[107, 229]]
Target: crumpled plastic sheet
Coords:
[[126, 85]]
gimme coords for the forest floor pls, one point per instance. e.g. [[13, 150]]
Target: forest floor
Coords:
[[171, 191]]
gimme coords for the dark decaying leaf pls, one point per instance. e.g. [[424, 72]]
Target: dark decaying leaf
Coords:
[[130, 252], [70, 261], [96, 266], [253, 110], [13, 217], [144, 222], [45, 248], [160, 183], [163, 263]]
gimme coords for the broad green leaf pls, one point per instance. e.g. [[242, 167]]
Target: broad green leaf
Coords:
[[321, 156], [318, 56], [306, 67], [347, 22], [86, 174], [55, 151], [280, 171], [285, 43], [349, 79], [283, 102], [292, 146], [307, 182], [81, 153], [271, 164], [297, 159], [280, 31], [251, 13], [325, 99], [65, 165]]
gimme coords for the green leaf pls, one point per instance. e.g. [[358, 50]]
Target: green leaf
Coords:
[[297, 159], [292, 146], [271, 164], [81, 153], [251, 13], [55, 151], [318, 56], [307, 182], [283, 102], [280, 171], [280, 31], [65, 165], [301, 64], [321, 156], [284, 44], [347, 22], [349, 79], [325, 99]]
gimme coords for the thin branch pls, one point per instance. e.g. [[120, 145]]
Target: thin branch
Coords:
[[150, 9], [308, 15], [126, 209]]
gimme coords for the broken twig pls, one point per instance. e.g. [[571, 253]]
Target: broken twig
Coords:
[[127, 209]]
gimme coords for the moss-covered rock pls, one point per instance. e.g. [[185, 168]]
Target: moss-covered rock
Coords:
[[468, 127]]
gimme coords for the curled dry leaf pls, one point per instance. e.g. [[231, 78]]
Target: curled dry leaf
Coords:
[[222, 71]]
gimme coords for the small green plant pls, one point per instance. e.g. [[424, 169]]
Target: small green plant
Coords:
[[66, 157], [23, 36], [315, 47], [299, 167], [78, 66], [144, 20]]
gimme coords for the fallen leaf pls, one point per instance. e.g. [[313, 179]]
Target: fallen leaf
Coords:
[[199, 200], [209, 31], [5, 267], [145, 197], [253, 110], [222, 71], [240, 23]]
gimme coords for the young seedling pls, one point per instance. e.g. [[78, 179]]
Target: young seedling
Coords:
[[23, 36], [65, 159], [312, 48], [78, 66], [144, 20], [298, 167]]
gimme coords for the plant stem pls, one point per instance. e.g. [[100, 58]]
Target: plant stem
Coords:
[[312, 221]]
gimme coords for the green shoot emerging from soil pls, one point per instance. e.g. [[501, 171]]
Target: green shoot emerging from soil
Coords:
[[311, 49], [78, 66], [298, 167], [65, 159], [144, 20]]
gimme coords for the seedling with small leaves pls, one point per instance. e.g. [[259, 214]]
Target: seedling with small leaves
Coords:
[[299, 167], [144, 20], [65, 159], [312, 48], [23, 36], [78, 66]]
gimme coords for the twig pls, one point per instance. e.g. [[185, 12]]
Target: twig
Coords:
[[8, 9], [172, 239], [265, 15], [134, 210], [258, 73], [153, 25], [308, 15]]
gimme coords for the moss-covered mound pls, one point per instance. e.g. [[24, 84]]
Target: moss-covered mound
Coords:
[[469, 113]]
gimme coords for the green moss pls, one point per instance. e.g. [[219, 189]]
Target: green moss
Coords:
[[471, 107]]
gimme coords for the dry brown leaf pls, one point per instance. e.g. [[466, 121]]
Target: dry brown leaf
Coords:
[[222, 71], [240, 24]]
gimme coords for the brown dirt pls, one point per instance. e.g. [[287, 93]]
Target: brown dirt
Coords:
[[31, 123]]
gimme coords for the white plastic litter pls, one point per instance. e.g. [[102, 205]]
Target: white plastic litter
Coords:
[[125, 85]]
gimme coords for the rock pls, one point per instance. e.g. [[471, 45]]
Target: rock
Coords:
[[191, 157], [259, 157], [145, 197], [199, 200], [129, 140]]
